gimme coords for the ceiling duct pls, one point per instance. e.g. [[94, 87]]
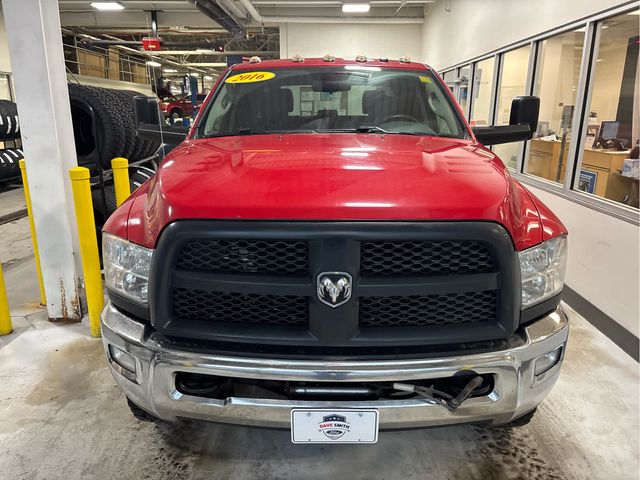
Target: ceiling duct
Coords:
[[216, 13]]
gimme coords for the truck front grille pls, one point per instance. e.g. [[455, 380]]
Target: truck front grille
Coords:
[[245, 256], [427, 310], [414, 283], [220, 307], [381, 259]]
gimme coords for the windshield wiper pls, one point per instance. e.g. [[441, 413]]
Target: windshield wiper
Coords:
[[250, 131], [370, 129], [256, 131], [362, 129]]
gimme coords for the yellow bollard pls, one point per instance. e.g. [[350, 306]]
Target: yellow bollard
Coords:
[[5, 317], [120, 168], [34, 239], [88, 245]]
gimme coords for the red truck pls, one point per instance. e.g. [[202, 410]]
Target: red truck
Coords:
[[333, 250], [180, 106]]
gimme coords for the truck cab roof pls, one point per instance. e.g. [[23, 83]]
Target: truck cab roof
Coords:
[[321, 62]]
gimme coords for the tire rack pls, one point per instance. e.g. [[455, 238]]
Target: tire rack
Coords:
[[101, 176]]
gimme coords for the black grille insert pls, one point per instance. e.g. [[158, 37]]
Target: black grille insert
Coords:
[[220, 307], [425, 258], [428, 310], [277, 257], [255, 283]]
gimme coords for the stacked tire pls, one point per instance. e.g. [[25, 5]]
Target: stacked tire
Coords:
[[9, 131], [9, 125], [9, 166], [104, 126]]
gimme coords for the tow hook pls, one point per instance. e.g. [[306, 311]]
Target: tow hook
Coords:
[[437, 397]]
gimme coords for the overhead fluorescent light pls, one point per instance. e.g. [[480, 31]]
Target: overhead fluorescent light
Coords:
[[107, 6], [355, 7], [151, 63], [170, 70]]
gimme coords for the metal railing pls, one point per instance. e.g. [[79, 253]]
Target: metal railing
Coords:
[[108, 63]]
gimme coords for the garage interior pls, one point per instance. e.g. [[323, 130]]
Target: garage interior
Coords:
[[70, 70]]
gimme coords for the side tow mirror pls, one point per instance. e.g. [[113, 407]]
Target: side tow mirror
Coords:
[[523, 122], [149, 125]]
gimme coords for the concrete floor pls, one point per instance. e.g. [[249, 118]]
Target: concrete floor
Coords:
[[63, 418]]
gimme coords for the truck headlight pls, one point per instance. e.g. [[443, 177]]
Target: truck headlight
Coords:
[[542, 269], [126, 267]]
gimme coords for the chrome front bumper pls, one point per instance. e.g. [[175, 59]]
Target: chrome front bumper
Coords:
[[517, 390]]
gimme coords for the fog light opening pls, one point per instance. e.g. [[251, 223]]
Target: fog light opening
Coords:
[[546, 362], [124, 360]]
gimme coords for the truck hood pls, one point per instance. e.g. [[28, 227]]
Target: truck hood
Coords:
[[332, 177]]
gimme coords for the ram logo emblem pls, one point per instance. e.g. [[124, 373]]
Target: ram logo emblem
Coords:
[[334, 288]]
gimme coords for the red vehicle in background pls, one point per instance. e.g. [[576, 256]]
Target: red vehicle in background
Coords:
[[180, 106]]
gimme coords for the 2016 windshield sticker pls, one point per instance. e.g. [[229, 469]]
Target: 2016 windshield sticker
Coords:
[[250, 77], [425, 79]]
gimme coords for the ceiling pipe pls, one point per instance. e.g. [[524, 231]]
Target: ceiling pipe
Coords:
[[154, 23], [216, 13], [232, 8], [255, 15], [295, 19]]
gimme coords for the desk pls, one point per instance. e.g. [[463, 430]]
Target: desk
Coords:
[[544, 157], [606, 164]]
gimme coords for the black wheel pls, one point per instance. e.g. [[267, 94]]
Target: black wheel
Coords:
[[522, 421], [9, 124], [124, 103], [105, 133], [139, 175], [102, 211], [141, 414], [9, 163]]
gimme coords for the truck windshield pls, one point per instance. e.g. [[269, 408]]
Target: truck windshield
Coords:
[[331, 100]]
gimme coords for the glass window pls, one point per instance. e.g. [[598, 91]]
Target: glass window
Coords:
[[482, 87], [332, 100], [450, 79], [463, 87], [5, 87], [555, 83], [608, 167], [513, 79]]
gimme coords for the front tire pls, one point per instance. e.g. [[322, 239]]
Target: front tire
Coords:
[[522, 421], [141, 414]]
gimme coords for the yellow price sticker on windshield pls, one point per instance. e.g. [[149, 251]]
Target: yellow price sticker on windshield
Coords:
[[250, 77], [425, 79]]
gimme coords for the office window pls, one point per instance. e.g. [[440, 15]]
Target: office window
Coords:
[[450, 79], [462, 83], [482, 87], [5, 87], [613, 127], [555, 83], [513, 79]]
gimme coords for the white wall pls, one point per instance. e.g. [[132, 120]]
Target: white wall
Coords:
[[604, 254], [350, 39], [5, 64], [474, 27]]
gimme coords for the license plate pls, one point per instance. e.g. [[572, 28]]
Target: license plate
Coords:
[[334, 426]]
